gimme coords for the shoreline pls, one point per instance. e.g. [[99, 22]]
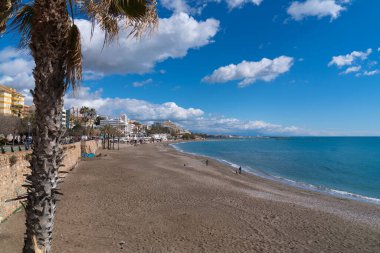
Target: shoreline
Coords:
[[331, 203], [151, 198], [289, 182]]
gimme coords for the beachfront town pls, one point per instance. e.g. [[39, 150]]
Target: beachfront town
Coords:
[[80, 123]]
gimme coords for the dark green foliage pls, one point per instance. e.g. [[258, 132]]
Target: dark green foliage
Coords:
[[77, 130], [13, 160], [188, 136], [98, 119]]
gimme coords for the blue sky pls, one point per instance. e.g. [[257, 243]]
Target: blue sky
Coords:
[[276, 67]]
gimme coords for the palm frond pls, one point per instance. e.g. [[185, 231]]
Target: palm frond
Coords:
[[7, 9], [71, 4], [23, 23], [98, 13], [139, 15], [74, 58]]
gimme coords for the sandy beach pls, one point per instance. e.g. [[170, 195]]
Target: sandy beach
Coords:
[[151, 198]]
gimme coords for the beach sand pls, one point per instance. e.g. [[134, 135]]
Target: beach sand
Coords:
[[151, 198]]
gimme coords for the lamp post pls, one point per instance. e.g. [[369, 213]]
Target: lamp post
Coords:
[[28, 138], [29, 129]]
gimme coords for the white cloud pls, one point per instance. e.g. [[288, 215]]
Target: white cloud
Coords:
[[356, 62], [233, 125], [136, 109], [239, 3], [177, 6], [173, 39], [191, 118], [9, 53], [142, 83], [318, 8], [371, 73], [249, 72], [16, 68], [196, 7], [351, 70], [92, 75], [349, 59]]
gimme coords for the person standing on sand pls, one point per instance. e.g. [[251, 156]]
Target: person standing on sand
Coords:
[[240, 170], [206, 162]]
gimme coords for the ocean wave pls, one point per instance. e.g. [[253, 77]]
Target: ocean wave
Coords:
[[329, 191], [287, 181]]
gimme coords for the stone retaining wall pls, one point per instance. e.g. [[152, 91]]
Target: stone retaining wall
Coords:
[[12, 174]]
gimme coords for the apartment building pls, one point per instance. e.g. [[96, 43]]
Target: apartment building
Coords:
[[28, 110], [120, 123], [11, 102]]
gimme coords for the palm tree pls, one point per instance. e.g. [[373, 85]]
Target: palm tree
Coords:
[[118, 134], [91, 114], [107, 131], [54, 42], [84, 111]]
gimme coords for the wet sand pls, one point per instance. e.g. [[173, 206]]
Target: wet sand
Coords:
[[151, 198]]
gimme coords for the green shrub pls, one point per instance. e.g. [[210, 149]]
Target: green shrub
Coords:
[[13, 160]]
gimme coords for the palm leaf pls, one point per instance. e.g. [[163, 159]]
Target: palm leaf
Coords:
[[7, 9], [23, 23], [139, 16], [74, 58], [71, 4], [133, 9]]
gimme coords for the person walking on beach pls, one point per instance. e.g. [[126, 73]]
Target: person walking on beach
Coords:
[[206, 162], [240, 170]]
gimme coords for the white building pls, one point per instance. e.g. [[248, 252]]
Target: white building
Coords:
[[160, 137], [120, 123]]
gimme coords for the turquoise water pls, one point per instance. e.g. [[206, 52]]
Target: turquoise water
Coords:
[[343, 166]]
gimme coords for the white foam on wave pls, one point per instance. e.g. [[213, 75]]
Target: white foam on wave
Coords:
[[301, 185], [323, 189], [176, 147], [227, 162], [356, 196]]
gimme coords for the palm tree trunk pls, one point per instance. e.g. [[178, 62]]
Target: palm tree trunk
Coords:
[[49, 48]]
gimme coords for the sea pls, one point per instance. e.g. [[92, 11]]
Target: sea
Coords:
[[347, 167]]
